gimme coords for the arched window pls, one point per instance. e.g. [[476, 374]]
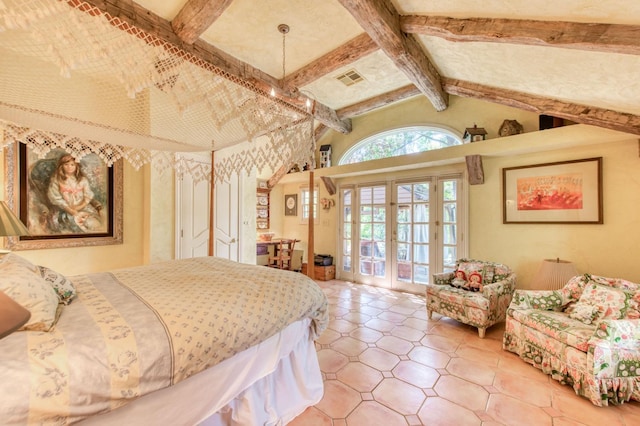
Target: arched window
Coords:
[[406, 140]]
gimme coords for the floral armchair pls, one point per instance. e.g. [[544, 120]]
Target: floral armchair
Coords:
[[476, 293], [587, 335]]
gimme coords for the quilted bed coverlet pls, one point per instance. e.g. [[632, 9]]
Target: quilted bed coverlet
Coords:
[[133, 331]]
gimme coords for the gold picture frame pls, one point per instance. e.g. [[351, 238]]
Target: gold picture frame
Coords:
[[30, 194]]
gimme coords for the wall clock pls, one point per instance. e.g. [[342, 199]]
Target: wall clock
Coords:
[[291, 205]]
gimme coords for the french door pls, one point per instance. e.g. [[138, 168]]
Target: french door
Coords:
[[398, 234]]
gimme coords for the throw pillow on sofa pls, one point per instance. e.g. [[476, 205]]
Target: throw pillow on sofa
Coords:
[[612, 302]]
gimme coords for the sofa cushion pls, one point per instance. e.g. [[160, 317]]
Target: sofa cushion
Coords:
[[611, 302], [459, 296], [556, 326]]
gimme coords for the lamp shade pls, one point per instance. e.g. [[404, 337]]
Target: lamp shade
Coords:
[[12, 315], [9, 222], [554, 274]]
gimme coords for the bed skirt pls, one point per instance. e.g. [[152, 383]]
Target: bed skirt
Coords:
[[260, 385]]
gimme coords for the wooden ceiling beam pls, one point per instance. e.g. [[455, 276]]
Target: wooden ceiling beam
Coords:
[[196, 16], [584, 114], [381, 21], [349, 52], [379, 101], [612, 38], [135, 15]]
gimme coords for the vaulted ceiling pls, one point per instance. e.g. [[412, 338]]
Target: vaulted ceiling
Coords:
[[574, 59]]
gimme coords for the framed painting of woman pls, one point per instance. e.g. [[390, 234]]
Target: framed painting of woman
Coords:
[[64, 201]]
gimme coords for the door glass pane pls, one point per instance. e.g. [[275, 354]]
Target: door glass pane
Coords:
[[365, 267], [379, 231], [421, 253], [366, 248], [379, 250], [379, 195], [449, 212], [404, 213], [421, 233], [365, 231], [347, 230], [450, 188], [404, 271], [365, 214], [347, 197], [449, 234], [379, 214], [347, 214], [403, 233], [404, 254], [450, 257], [379, 268], [420, 192], [403, 194], [346, 263], [366, 196], [421, 274], [421, 213], [346, 247]]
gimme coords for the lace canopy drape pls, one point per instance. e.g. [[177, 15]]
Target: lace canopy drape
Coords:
[[76, 78]]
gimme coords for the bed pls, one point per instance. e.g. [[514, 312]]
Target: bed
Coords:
[[195, 341]]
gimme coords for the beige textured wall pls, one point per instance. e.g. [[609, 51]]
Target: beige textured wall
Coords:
[[609, 249]]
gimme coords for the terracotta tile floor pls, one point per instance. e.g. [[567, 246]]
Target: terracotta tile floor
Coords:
[[384, 363]]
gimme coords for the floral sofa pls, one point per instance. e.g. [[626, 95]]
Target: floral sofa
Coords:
[[587, 335], [477, 293]]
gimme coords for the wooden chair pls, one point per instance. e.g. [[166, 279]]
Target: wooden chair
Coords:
[[282, 254]]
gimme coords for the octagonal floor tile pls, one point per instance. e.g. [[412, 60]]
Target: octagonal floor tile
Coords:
[[370, 413], [331, 361], [395, 345], [429, 357], [349, 346], [342, 326], [380, 325], [379, 359], [475, 373], [416, 374], [510, 410], [536, 393], [366, 334], [399, 396], [462, 392], [440, 412], [360, 376], [339, 400]]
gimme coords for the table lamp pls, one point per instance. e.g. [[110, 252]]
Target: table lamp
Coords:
[[10, 225], [553, 274]]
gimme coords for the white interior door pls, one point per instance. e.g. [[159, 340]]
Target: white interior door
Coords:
[[227, 219], [192, 216]]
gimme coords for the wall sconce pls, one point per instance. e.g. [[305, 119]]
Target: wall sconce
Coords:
[[554, 274], [327, 203]]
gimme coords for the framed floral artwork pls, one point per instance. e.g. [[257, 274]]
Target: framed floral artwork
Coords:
[[561, 192]]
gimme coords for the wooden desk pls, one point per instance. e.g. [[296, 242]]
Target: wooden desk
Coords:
[[264, 249]]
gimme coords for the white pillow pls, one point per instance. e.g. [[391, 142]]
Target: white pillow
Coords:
[[25, 286]]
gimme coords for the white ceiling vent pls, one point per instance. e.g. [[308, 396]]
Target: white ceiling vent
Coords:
[[350, 77]]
